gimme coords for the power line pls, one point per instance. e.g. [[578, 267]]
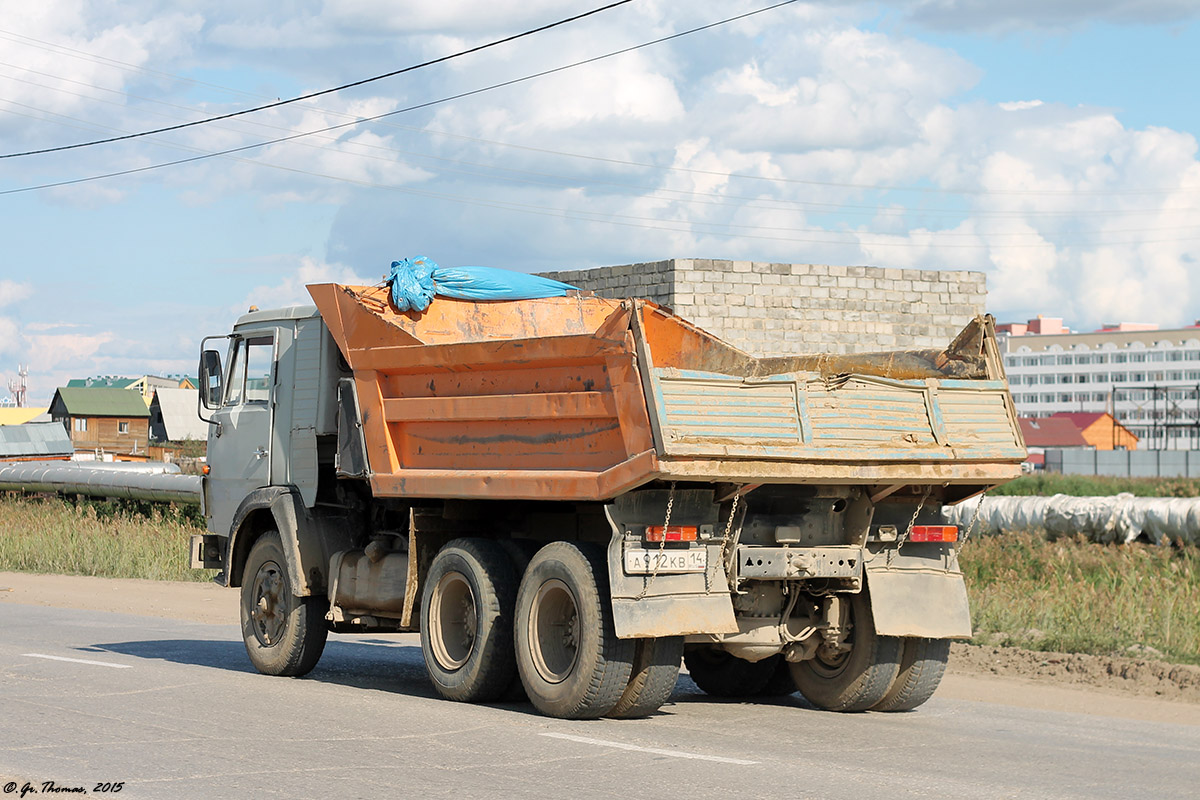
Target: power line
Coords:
[[860, 238], [311, 95], [408, 109], [698, 227], [816, 207], [654, 193]]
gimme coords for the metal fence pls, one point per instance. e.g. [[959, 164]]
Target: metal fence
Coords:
[[1125, 463]]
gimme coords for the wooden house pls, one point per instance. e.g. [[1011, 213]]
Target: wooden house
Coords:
[[102, 418]]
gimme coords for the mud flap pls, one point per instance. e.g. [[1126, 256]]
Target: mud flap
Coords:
[[909, 602], [668, 604]]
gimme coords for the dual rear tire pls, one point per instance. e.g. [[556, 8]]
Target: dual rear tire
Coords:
[[482, 622], [877, 673], [466, 621]]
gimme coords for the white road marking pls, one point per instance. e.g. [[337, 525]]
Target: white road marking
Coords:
[[79, 661], [655, 750]]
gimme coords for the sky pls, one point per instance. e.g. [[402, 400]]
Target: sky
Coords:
[[1050, 144]]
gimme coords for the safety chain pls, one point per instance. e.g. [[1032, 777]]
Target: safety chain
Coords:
[[662, 545], [900, 542], [974, 519], [725, 540]]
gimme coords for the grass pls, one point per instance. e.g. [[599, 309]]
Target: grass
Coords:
[[1075, 596], [94, 538], [1098, 486]]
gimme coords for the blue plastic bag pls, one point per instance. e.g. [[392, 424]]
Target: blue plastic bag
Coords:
[[412, 283], [416, 280]]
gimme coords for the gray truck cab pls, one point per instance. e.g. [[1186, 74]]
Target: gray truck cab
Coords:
[[270, 401]]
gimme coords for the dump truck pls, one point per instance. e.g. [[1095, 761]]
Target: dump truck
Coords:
[[568, 497]]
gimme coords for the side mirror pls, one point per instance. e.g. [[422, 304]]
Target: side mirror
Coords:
[[210, 379]]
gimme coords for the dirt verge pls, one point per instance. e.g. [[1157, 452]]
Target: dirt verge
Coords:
[[1137, 676]]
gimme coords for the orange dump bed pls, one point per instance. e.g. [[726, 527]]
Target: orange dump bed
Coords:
[[584, 398]]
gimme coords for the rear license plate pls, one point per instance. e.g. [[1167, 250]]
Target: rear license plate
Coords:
[[640, 561]]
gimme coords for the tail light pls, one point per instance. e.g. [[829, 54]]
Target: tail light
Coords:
[[934, 533], [671, 533]]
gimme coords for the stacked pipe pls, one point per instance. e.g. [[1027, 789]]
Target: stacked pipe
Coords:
[[153, 481], [1121, 518]]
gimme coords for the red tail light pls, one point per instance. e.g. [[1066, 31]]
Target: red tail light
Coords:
[[673, 533], [934, 533]]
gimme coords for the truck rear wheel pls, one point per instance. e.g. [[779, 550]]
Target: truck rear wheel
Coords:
[[284, 634], [853, 680], [570, 660], [722, 674], [466, 620], [922, 665], [781, 683], [655, 673]]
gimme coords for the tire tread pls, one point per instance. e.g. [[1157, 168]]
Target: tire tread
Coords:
[[922, 665]]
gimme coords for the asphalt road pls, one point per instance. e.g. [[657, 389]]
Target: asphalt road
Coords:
[[173, 710]]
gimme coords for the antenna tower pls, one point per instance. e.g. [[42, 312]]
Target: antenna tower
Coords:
[[19, 387]]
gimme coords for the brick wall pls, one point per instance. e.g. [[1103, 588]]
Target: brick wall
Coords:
[[783, 309]]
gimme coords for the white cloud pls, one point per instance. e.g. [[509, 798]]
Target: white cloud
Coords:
[[291, 288], [13, 292], [1020, 105]]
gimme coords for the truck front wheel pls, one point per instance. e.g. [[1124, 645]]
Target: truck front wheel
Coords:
[[571, 662], [466, 620], [284, 634], [858, 676]]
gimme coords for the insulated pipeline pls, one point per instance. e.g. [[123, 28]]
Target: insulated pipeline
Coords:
[[153, 484]]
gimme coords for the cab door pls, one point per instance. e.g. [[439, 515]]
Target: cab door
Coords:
[[239, 449]]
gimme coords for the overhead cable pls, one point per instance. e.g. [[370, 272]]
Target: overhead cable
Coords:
[[405, 110], [311, 95]]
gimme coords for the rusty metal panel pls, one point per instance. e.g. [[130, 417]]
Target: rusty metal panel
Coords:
[[976, 417], [728, 409], [579, 398], [849, 470], [513, 484], [860, 418], [551, 405], [863, 413]]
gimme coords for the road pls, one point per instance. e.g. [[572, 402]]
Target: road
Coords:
[[174, 710]]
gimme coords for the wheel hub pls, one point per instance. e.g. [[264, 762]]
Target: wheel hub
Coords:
[[453, 621], [269, 613], [554, 632]]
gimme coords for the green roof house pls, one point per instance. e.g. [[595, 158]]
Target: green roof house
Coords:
[[103, 419]]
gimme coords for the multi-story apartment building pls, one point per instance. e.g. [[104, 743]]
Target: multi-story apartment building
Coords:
[[1148, 379]]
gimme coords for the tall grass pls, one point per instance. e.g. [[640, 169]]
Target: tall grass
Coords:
[[1098, 486], [1076, 596], [112, 541]]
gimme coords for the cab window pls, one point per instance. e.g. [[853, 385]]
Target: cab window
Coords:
[[250, 366]]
